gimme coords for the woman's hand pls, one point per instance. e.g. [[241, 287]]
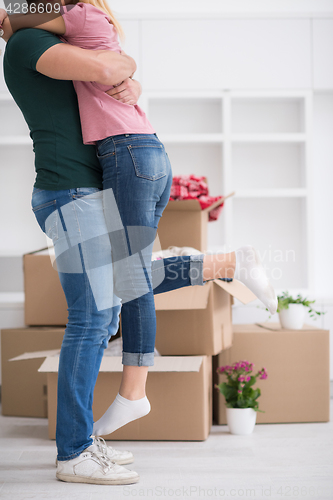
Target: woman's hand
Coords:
[[127, 92], [3, 15], [6, 28]]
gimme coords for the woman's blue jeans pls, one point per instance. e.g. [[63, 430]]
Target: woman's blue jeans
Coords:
[[84, 241]]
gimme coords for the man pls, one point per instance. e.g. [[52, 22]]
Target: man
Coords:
[[38, 72]]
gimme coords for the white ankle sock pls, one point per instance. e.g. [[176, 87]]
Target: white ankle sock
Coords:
[[120, 413], [250, 271]]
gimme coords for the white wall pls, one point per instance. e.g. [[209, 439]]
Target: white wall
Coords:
[[188, 8]]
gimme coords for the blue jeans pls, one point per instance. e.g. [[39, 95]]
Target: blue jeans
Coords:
[[74, 219], [137, 178]]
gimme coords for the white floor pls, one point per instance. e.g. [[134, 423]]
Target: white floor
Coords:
[[277, 461]]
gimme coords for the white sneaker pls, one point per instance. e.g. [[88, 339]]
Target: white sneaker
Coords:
[[94, 468], [120, 457], [117, 456]]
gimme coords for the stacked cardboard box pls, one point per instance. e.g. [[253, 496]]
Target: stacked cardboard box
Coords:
[[297, 388], [193, 324], [24, 389]]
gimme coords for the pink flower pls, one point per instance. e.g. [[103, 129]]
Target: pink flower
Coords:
[[221, 369], [239, 391], [241, 379], [248, 378]]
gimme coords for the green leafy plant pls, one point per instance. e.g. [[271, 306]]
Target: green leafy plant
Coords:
[[285, 299], [238, 391]]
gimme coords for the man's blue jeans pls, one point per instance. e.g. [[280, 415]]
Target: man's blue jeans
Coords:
[[75, 221]]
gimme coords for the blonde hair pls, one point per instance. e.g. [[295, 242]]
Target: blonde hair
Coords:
[[103, 5]]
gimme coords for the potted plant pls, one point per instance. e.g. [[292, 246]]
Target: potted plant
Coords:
[[241, 398], [292, 311]]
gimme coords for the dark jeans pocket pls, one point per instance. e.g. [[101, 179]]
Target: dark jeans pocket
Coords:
[[105, 148], [149, 161]]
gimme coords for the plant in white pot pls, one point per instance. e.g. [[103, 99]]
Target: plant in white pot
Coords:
[[241, 398], [292, 311]]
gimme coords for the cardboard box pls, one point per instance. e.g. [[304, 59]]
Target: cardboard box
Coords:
[[197, 319], [24, 389], [45, 302], [184, 224], [182, 382], [297, 388]]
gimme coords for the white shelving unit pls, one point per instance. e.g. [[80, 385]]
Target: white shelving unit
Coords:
[[257, 144]]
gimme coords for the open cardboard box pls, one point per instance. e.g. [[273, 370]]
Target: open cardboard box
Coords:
[[184, 382], [24, 389], [197, 320], [184, 224], [297, 388]]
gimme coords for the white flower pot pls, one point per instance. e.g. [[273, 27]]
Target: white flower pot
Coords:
[[241, 420], [293, 317]]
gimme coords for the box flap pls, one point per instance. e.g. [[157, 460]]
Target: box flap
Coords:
[[237, 289], [114, 364], [191, 297], [42, 251], [36, 354], [218, 202], [50, 365], [183, 205]]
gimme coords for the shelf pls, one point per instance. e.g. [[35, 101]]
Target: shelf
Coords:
[[277, 228], [12, 140], [266, 166], [11, 300], [268, 138], [186, 116], [275, 115], [191, 138], [271, 193]]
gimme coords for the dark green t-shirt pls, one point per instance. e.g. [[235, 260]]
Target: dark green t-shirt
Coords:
[[51, 111]]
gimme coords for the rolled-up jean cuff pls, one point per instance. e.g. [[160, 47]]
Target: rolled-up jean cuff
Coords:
[[138, 358], [196, 269]]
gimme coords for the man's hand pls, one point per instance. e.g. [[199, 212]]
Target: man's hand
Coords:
[[127, 92]]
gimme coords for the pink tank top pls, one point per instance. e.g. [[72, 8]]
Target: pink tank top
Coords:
[[101, 115]]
